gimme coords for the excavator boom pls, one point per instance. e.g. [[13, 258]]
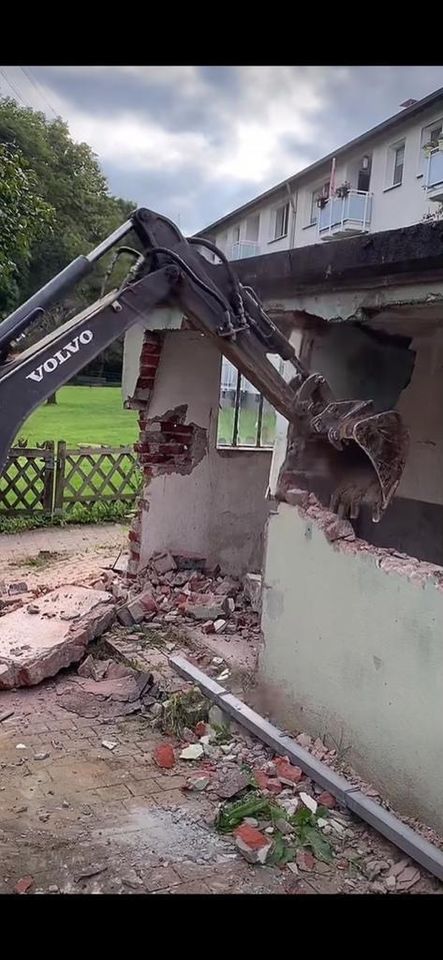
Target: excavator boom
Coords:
[[363, 452]]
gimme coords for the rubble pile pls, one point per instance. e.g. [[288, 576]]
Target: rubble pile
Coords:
[[275, 815], [177, 591]]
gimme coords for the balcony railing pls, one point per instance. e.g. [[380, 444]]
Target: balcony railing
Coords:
[[345, 216], [434, 175], [243, 249]]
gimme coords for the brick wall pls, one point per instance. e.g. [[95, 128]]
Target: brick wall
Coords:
[[166, 444], [149, 361]]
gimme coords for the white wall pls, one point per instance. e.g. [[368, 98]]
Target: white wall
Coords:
[[217, 511], [354, 653]]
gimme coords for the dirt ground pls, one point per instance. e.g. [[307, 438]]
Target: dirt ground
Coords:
[[57, 555], [78, 817]]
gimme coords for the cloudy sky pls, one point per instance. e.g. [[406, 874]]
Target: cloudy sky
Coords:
[[196, 142]]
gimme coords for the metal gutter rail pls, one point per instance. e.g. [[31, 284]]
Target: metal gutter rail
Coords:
[[414, 845]]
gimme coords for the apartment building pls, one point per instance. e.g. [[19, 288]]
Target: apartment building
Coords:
[[390, 177]]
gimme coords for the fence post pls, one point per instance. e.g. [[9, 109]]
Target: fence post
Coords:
[[59, 477], [48, 482]]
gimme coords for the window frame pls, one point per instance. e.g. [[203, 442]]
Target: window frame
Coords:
[[314, 197], [392, 165], [234, 443], [285, 220]]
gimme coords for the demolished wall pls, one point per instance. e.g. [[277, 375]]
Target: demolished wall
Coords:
[[353, 653], [198, 501]]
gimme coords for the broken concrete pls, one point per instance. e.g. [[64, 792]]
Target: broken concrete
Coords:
[[38, 645], [107, 689], [253, 586]]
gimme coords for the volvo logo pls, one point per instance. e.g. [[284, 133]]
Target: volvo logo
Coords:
[[60, 356]]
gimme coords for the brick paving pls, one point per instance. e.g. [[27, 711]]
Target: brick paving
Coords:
[[89, 820], [83, 809]]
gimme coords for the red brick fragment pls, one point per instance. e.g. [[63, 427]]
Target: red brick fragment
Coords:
[[267, 783], [286, 770], [254, 845], [201, 729], [327, 800], [164, 756], [305, 860], [23, 885]]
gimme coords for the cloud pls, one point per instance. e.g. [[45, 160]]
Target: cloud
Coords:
[[196, 141]]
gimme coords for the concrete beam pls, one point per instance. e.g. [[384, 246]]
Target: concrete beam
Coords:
[[390, 256]]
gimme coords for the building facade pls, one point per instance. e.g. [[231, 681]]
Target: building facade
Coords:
[[388, 178]]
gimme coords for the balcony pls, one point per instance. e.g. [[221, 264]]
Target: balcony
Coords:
[[434, 176], [345, 216], [243, 249]]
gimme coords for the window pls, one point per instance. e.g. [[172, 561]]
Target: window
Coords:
[[430, 136], [435, 133], [236, 234], [315, 197], [253, 228], [245, 418], [399, 159], [281, 221], [396, 159]]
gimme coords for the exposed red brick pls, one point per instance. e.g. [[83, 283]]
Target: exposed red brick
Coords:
[[173, 448], [151, 349], [184, 428], [145, 382]]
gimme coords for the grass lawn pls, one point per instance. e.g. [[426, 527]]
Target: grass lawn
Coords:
[[83, 415], [96, 415]]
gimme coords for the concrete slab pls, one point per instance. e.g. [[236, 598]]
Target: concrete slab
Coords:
[[51, 633]]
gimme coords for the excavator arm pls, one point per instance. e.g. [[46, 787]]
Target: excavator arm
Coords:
[[341, 449]]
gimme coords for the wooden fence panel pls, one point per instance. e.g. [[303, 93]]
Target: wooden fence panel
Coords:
[[27, 481], [37, 481], [100, 474]]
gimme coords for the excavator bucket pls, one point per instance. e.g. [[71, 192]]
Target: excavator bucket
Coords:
[[344, 451], [384, 440]]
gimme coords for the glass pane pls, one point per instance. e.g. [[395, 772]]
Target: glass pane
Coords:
[[268, 424], [228, 385], [248, 418]]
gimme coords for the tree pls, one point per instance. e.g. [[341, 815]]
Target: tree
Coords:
[[62, 209], [25, 217]]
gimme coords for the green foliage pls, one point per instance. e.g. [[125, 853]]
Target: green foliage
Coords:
[[24, 218], [184, 710], [81, 514], [232, 814], [54, 198], [306, 832]]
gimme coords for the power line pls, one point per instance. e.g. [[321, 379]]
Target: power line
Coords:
[[37, 86], [13, 88]]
